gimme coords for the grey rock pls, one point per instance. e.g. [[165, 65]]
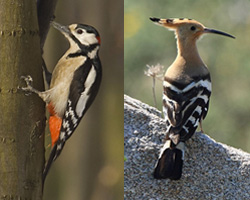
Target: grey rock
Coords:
[[211, 170]]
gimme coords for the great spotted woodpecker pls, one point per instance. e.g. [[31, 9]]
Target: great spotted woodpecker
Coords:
[[74, 85], [186, 93]]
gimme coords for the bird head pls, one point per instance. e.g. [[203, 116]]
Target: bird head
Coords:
[[80, 34], [187, 28]]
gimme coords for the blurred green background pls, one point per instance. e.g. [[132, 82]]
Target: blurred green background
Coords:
[[91, 164], [227, 59]]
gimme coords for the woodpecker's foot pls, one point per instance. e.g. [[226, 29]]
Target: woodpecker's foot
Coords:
[[29, 89]]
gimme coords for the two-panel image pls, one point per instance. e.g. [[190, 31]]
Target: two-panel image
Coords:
[[135, 100]]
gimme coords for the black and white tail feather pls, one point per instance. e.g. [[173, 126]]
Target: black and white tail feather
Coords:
[[170, 162], [184, 107]]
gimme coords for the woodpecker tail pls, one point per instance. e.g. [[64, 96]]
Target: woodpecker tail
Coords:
[[169, 164], [49, 163]]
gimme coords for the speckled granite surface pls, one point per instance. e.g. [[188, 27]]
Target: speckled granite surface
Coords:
[[211, 170]]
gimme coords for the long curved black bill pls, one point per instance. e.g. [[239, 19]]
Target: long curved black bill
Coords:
[[208, 30], [154, 19]]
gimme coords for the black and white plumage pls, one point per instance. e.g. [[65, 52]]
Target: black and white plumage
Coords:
[[184, 107], [186, 93], [74, 83], [83, 90]]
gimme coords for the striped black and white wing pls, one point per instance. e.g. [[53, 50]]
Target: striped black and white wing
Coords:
[[83, 90], [185, 105]]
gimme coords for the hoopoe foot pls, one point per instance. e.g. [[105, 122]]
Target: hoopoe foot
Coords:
[[29, 89], [200, 123]]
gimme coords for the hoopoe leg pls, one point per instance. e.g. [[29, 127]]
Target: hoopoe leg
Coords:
[[200, 123]]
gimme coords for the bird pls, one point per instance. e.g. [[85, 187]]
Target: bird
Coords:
[[186, 93], [73, 85]]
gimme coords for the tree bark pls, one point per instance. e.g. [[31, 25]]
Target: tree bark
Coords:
[[45, 10], [22, 118]]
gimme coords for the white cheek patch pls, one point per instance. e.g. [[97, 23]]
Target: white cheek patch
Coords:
[[90, 38], [87, 38], [81, 104]]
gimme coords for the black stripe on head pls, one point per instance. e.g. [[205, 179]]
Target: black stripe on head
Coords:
[[82, 46]]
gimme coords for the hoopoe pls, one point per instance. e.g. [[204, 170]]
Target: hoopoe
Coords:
[[187, 88]]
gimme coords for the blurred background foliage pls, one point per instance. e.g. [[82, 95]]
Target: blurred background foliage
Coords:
[[91, 164], [227, 59]]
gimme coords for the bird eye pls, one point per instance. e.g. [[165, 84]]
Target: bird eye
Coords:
[[192, 28], [79, 31]]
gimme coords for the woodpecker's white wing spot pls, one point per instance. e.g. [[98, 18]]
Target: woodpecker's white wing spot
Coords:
[[65, 124], [69, 132], [62, 135], [70, 113], [59, 147], [81, 104]]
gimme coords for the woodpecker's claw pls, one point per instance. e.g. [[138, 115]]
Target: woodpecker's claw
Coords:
[[28, 79]]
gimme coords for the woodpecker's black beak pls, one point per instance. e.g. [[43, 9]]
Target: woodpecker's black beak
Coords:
[[61, 28], [208, 30]]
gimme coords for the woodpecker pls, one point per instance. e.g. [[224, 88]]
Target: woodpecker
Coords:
[[74, 84], [186, 93]]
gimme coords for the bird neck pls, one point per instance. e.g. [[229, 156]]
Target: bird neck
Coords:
[[75, 50], [188, 51]]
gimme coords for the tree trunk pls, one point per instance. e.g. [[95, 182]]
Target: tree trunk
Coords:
[[22, 120], [45, 9]]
